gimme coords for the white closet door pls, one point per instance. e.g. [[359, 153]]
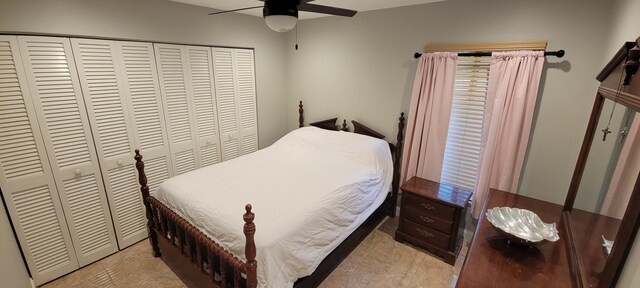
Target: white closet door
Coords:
[[226, 98], [101, 78], [141, 86], [53, 83], [180, 119], [200, 82], [246, 100], [26, 178], [236, 94]]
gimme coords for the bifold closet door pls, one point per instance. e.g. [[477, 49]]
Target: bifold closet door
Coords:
[[200, 81], [138, 63], [54, 86], [246, 100], [235, 92], [107, 96], [186, 84], [26, 178]]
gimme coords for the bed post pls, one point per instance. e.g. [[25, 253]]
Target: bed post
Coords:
[[250, 248], [396, 166], [142, 179], [301, 117], [344, 128]]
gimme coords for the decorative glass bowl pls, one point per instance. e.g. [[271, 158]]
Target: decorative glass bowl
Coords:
[[521, 226]]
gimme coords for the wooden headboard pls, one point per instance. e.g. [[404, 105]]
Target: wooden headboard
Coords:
[[330, 124], [364, 130]]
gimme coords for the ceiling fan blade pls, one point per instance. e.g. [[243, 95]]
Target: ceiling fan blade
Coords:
[[301, 1], [234, 10], [326, 10]]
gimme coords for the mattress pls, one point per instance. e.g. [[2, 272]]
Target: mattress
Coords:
[[309, 191]]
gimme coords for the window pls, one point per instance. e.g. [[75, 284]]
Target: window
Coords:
[[462, 151]]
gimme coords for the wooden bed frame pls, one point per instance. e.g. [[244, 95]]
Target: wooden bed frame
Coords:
[[201, 262]]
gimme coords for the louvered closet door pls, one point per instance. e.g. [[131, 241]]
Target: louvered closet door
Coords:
[[101, 79], [226, 98], [200, 83], [246, 100], [138, 63], [172, 66], [53, 82], [26, 178], [236, 95]]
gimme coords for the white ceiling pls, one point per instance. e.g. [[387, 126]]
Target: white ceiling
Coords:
[[358, 5]]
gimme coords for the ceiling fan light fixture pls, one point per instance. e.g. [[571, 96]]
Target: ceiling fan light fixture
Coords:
[[281, 23]]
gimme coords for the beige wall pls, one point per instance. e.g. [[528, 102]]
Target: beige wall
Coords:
[[363, 68], [625, 26]]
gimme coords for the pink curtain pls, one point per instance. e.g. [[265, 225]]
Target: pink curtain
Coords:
[[624, 177], [514, 78], [428, 122]]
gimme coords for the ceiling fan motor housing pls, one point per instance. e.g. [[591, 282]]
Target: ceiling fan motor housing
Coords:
[[281, 7]]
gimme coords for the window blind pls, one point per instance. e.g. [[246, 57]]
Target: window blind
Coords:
[[462, 150]]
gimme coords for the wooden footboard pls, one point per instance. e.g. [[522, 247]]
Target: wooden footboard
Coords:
[[195, 257]]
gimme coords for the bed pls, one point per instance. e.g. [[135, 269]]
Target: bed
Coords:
[[311, 216]]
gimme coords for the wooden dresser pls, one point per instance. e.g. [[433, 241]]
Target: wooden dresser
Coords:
[[493, 262], [432, 217]]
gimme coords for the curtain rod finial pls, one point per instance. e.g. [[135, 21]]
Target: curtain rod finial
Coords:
[[417, 55]]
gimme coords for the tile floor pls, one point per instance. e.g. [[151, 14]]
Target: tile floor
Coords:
[[378, 261]]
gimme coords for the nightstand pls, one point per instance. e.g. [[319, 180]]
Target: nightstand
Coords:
[[432, 216]]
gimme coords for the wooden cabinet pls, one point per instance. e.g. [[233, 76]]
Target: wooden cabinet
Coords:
[[432, 216]]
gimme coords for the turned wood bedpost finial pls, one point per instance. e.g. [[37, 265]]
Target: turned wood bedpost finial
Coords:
[[142, 179], [250, 248], [301, 113], [395, 185], [400, 137], [399, 140], [344, 126]]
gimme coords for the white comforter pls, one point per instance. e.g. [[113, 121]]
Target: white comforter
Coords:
[[309, 191]]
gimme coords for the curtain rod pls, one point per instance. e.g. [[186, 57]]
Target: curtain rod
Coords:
[[559, 54]]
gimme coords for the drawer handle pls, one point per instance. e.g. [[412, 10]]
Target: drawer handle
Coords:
[[427, 206], [426, 219], [424, 233]]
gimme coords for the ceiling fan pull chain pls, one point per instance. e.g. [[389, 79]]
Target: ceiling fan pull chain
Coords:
[[297, 36]]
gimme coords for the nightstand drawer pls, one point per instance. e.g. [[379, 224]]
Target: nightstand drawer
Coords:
[[426, 234], [428, 220], [424, 205]]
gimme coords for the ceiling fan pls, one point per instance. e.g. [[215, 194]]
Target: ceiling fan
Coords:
[[282, 15]]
